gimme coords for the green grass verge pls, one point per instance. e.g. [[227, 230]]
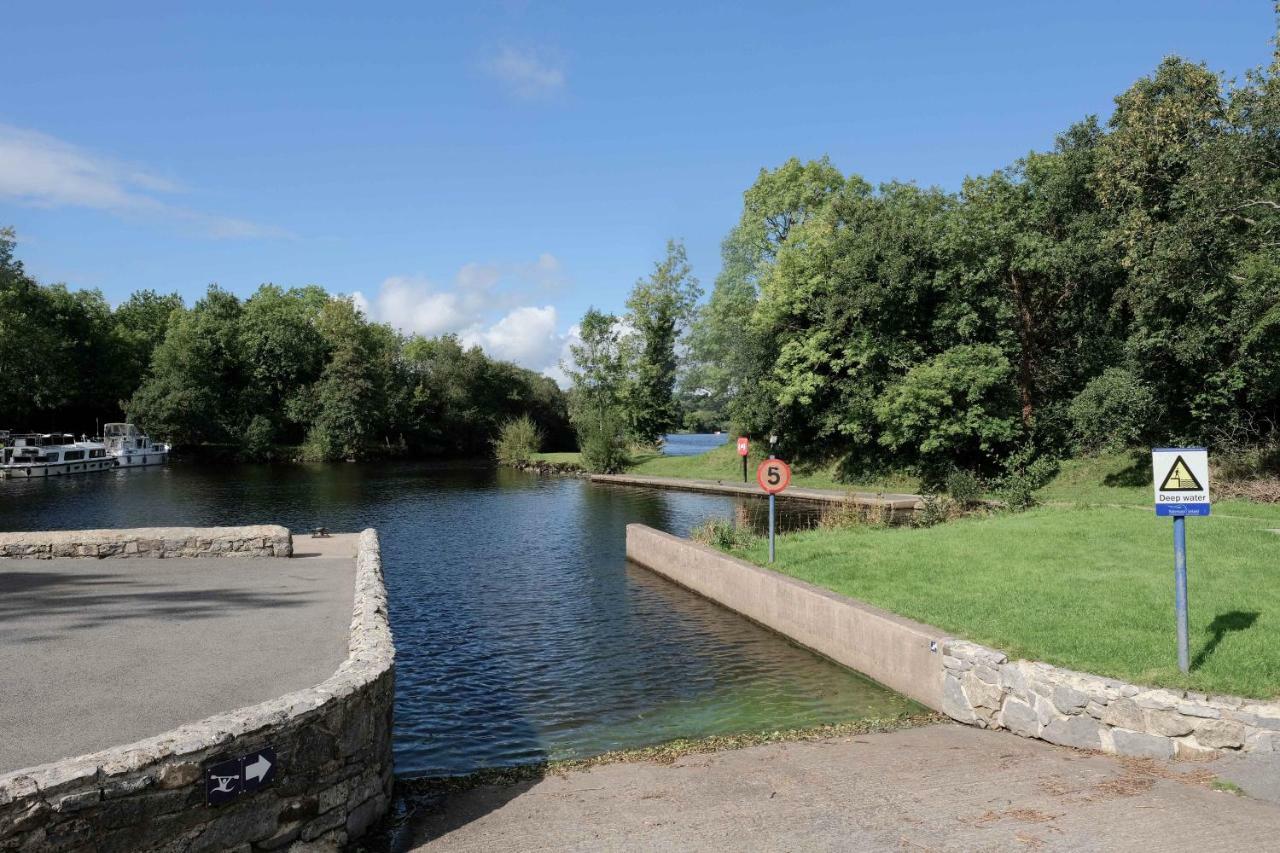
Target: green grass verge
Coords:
[[1124, 479], [1089, 588]]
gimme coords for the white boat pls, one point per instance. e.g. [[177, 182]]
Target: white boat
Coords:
[[130, 447], [50, 454]]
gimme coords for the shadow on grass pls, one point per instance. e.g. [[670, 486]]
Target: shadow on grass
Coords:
[[1137, 473], [1223, 624]]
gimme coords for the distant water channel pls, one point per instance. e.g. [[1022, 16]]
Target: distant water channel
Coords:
[[522, 632]]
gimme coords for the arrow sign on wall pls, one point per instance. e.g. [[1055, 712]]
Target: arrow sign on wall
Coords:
[[259, 768], [227, 780]]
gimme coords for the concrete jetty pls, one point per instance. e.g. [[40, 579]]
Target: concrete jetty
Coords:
[[201, 689]]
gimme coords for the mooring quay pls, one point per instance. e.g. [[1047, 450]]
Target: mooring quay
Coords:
[[113, 642]]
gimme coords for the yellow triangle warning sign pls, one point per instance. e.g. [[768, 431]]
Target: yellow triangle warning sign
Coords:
[[1180, 479]]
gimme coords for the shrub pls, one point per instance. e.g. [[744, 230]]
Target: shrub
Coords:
[[517, 441], [964, 487], [1026, 472], [1115, 410], [256, 444], [602, 440], [723, 534], [960, 405]]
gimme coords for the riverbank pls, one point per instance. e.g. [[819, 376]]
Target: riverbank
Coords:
[[1086, 588]]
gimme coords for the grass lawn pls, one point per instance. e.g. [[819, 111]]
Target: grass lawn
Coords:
[[1089, 588], [1125, 479]]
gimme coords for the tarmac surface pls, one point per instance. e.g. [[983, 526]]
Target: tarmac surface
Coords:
[[943, 787], [100, 653]]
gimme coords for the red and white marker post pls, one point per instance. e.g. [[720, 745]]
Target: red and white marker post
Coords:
[[744, 447]]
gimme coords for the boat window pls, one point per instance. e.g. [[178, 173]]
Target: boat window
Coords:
[[52, 457], [71, 455], [97, 454], [139, 444]]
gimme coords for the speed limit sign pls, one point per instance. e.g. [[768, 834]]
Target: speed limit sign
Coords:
[[773, 475]]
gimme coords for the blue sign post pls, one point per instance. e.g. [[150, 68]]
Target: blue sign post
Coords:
[[1181, 477]]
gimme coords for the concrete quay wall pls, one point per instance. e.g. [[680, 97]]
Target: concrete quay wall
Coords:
[[333, 769], [264, 540], [970, 683], [899, 653]]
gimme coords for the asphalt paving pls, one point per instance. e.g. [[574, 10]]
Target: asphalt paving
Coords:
[[99, 653]]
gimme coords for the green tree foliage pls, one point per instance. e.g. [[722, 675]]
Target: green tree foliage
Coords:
[[517, 441], [722, 355], [1123, 286], [283, 368], [596, 401], [660, 308]]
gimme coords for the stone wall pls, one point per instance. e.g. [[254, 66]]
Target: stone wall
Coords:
[[265, 540], [333, 748], [982, 687]]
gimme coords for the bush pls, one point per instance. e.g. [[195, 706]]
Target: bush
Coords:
[[958, 406], [602, 440], [964, 487], [723, 534], [517, 441], [1026, 472], [1116, 410], [256, 444]]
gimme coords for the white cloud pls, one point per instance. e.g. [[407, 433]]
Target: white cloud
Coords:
[[527, 335], [488, 305], [38, 169], [526, 73]]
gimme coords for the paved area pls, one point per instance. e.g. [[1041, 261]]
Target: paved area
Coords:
[[944, 787], [735, 487], [98, 653]]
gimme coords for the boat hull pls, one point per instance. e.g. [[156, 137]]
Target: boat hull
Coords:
[[56, 469]]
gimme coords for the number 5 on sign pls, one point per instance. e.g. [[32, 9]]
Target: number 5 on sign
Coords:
[[773, 475]]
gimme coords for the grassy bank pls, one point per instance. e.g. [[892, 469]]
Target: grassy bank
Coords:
[[1089, 588]]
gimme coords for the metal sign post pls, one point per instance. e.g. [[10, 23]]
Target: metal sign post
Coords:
[[744, 447], [1181, 478], [774, 476]]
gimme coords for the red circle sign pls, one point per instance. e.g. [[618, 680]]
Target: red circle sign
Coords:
[[743, 444], [773, 475]]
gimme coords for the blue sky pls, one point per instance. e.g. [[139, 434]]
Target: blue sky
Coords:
[[494, 168]]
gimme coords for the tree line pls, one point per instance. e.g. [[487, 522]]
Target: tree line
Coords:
[[293, 371], [1122, 288]]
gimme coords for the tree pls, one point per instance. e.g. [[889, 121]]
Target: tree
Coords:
[[599, 376], [195, 388], [723, 359], [659, 310]]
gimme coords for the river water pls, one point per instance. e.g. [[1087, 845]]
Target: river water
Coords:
[[522, 632]]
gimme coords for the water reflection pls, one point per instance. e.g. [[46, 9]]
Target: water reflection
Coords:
[[522, 632]]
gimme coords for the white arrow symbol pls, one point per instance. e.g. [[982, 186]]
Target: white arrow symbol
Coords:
[[257, 770]]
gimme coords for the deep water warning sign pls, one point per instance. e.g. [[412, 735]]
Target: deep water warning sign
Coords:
[[1181, 476]]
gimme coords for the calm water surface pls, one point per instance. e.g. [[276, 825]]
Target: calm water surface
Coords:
[[522, 632]]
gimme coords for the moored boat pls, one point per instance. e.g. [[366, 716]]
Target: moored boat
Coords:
[[50, 454], [130, 447]]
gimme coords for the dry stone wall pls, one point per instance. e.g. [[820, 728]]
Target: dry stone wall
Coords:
[[332, 742], [264, 540], [982, 687]]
